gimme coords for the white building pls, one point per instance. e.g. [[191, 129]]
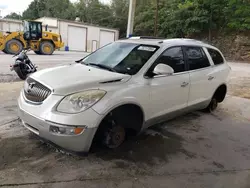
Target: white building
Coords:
[[77, 36], [10, 25]]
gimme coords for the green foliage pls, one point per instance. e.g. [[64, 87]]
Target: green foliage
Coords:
[[51, 8], [239, 11], [94, 12], [176, 18], [119, 9], [14, 15], [144, 19]]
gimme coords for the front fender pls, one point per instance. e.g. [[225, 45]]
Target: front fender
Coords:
[[104, 110], [110, 102], [128, 93]]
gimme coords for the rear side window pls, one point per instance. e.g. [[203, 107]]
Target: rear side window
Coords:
[[216, 56], [196, 58]]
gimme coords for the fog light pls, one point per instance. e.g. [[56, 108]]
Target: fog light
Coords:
[[54, 129], [66, 130]]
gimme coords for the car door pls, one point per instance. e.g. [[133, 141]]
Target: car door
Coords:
[[201, 75], [169, 93]]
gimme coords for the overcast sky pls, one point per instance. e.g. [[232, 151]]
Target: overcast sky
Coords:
[[18, 6]]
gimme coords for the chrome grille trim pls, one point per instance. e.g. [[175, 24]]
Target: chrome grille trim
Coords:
[[35, 92]]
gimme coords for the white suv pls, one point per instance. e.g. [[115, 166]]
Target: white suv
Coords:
[[122, 88]]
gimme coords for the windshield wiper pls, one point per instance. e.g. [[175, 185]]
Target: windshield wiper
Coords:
[[102, 66]]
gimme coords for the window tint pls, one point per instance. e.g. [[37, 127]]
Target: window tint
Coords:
[[174, 58], [196, 57], [216, 56]]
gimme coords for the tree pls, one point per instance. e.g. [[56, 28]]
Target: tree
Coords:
[[120, 15], [144, 17], [176, 18], [34, 10], [63, 9], [94, 12], [239, 14], [14, 15], [185, 18]]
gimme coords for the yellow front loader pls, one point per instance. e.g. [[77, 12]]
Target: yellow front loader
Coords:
[[41, 42]]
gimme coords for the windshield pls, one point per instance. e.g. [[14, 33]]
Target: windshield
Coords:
[[126, 58]]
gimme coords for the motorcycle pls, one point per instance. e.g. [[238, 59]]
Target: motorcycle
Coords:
[[23, 66]]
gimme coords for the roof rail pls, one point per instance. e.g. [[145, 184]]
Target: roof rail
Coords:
[[145, 37]]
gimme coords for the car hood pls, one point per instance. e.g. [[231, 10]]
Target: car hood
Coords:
[[76, 77]]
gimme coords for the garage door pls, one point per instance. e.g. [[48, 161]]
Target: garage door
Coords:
[[15, 27], [106, 37], [77, 38]]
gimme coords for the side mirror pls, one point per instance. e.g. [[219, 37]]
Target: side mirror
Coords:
[[162, 69]]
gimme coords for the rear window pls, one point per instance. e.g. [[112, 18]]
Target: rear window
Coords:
[[216, 56]]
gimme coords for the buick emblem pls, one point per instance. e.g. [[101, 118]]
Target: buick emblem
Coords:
[[30, 86]]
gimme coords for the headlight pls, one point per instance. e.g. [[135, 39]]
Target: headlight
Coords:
[[79, 102]]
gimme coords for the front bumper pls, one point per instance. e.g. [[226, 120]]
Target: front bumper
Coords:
[[41, 126]]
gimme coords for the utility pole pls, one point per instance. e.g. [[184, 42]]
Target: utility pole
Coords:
[[156, 18], [131, 15], [210, 23]]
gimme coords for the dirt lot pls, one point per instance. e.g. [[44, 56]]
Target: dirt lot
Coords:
[[240, 80], [195, 150]]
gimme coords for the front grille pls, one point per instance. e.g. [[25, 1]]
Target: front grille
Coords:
[[35, 91]]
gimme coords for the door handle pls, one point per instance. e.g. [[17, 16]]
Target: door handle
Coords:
[[184, 84], [210, 78]]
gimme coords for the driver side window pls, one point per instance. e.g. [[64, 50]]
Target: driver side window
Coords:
[[174, 58]]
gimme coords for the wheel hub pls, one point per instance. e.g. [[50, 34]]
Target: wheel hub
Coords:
[[14, 47], [116, 136], [47, 49]]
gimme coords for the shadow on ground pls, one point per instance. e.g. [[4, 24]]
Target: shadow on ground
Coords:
[[153, 146]]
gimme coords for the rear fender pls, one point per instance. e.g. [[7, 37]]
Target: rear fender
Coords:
[[48, 36], [48, 40]]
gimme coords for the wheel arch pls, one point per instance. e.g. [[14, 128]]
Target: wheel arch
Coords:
[[134, 104], [48, 40], [221, 92]]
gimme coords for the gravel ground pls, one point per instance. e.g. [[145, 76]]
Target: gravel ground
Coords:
[[240, 80], [195, 150]]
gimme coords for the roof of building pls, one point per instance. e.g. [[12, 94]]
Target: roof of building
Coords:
[[10, 20], [77, 22]]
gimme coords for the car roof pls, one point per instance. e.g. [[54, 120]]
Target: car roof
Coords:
[[167, 42]]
